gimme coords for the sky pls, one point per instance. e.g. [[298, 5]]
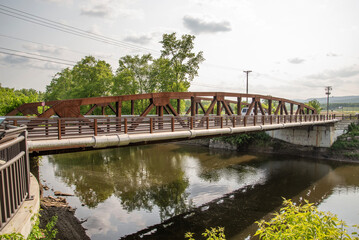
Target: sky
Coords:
[[294, 48]]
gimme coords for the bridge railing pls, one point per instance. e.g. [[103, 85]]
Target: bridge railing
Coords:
[[61, 128], [347, 116], [14, 172]]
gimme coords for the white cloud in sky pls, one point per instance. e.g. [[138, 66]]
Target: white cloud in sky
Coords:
[[110, 9], [141, 39], [296, 60], [345, 72], [199, 25]]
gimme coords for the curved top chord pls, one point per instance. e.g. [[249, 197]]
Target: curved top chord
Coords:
[[170, 102]]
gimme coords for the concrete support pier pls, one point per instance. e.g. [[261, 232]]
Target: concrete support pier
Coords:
[[315, 136]]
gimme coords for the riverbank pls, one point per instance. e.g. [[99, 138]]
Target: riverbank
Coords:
[[68, 226]]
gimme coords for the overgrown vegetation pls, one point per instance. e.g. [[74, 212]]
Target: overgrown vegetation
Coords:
[[348, 143], [245, 139], [48, 233], [303, 222]]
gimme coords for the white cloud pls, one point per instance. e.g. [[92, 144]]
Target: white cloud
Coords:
[[60, 2], [335, 74], [332, 55], [296, 60], [201, 25], [139, 38], [99, 10], [110, 9], [43, 49]]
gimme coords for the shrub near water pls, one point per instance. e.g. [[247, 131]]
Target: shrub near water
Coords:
[[303, 222]]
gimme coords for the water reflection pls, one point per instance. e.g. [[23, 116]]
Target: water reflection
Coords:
[[128, 189], [140, 177]]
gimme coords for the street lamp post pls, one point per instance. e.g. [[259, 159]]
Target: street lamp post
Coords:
[[327, 92], [247, 72]]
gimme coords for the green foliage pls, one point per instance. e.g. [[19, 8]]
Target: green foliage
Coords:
[[11, 98], [302, 222], [48, 233], [88, 78], [179, 61], [213, 234], [315, 104], [342, 143], [245, 138]]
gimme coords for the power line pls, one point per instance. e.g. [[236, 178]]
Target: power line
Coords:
[[42, 44], [25, 16], [35, 54], [40, 59]]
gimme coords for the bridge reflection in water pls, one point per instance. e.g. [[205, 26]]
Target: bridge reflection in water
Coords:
[[171, 189]]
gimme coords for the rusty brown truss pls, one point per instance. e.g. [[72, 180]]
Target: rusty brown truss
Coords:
[[161, 101]]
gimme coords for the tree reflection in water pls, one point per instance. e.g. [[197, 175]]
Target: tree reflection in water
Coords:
[[141, 177]]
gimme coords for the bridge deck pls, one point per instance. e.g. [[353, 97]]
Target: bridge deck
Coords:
[[52, 134]]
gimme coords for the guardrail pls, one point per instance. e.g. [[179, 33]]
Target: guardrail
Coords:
[[62, 128], [14, 172]]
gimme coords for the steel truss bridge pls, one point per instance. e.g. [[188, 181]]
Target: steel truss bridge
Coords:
[[163, 117]]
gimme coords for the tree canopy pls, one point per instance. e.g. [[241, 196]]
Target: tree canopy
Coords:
[[173, 71], [11, 98]]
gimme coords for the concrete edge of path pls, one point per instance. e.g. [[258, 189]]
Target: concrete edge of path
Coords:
[[24, 219]]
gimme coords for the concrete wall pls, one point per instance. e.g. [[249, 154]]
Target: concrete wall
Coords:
[[316, 136]]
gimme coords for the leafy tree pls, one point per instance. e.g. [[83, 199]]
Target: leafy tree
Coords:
[[315, 104], [180, 62], [302, 222], [11, 98], [136, 71], [88, 78]]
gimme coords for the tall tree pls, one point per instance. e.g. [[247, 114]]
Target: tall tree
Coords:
[[180, 62], [88, 78], [133, 75]]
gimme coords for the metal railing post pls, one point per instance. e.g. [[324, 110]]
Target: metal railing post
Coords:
[[151, 125], [125, 127], [59, 129], [95, 126], [173, 124]]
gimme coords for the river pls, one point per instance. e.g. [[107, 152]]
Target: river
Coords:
[[162, 191]]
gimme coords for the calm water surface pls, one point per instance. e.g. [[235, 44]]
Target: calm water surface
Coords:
[[161, 191]]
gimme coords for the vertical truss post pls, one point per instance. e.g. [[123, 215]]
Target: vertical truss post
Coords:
[[179, 106], [132, 107], [193, 107], [59, 129], [239, 110]]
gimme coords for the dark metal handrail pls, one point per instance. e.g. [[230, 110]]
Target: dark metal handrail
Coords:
[[14, 173]]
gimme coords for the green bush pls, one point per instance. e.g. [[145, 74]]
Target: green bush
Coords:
[[49, 233], [303, 222]]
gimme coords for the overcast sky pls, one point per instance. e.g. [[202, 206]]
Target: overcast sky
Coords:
[[294, 48]]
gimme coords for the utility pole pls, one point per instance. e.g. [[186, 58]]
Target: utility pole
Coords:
[[327, 92], [247, 72]]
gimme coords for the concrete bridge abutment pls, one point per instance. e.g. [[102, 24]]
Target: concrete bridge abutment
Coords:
[[314, 136]]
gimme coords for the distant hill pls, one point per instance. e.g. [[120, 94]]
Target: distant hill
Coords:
[[346, 99]]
